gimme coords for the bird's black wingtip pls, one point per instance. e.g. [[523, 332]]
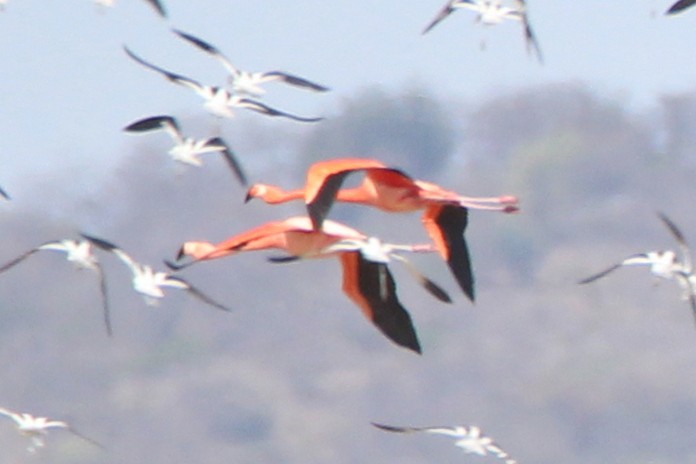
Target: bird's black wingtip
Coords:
[[99, 242], [172, 265]]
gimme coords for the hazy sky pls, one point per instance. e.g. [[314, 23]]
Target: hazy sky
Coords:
[[68, 88]]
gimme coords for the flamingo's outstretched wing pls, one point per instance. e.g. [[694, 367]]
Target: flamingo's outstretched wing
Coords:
[[324, 180], [446, 225], [371, 286]]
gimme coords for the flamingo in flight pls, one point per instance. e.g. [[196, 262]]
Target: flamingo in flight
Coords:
[[219, 101], [156, 4], [491, 12], [36, 428], [445, 217], [80, 254], [680, 6], [367, 280], [186, 149], [663, 264], [470, 439], [249, 83], [147, 281]]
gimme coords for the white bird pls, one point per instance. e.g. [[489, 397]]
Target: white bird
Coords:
[[663, 264], [79, 253], [374, 250], [156, 4], [150, 283], [680, 6], [492, 12], [219, 101], [36, 428], [187, 149], [470, 439], [249, 83]]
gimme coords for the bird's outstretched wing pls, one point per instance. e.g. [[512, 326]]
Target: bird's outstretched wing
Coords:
[[371, 286], [10, 415], [71, 429], [158, 6], [443, 430], [599, 275], [262, 108], [105, 300], [324, 180], [173, 77], [320, 205], [196, 292], [428, 284], [680, 6], [531, 40], [209, 49], [110, 247], [444, 12], [446, 225], [230, 158], [152, 123], [295, 80], [679, 237], [20, 258]]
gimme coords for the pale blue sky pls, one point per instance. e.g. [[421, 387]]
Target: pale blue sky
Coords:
[[68, 88]]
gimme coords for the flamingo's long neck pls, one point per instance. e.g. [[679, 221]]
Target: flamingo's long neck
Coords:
[[274, 195]]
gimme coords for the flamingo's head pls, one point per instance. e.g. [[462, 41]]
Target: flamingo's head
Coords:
[[196, 250], [255, 191]]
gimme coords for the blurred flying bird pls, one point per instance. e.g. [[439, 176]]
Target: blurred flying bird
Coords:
[[219, 101], [186, 149], [470, 439], [445, 217], [80, 254], [147, 281], [249, 83], [663, 264], [366, 278], [491, 12], [156, 4], [4, 194], [36, 428]]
